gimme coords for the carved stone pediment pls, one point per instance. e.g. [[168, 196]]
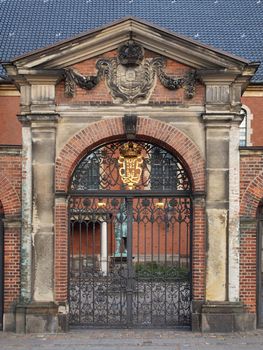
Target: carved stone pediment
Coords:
[[129, 76]]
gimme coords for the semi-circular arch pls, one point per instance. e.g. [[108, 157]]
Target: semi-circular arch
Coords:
[[148, 129]]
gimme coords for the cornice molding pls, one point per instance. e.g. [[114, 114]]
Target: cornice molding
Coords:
[[9, 90], [254, 91]]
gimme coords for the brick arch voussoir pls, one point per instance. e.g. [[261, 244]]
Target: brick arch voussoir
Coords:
[[148, 129], [9, 197], [177, 142], [252, 197]]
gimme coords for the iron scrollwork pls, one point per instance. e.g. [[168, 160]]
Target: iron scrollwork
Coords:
[[129, 76], [157, 275], [160, 170]]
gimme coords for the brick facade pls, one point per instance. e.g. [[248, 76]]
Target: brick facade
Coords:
[[10, 131], [251, 194], [255, 104], [10, 196]]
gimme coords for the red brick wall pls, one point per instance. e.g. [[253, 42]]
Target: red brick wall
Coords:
[[61, 253], [251, 192], [248, 265], [11, 267], [10, 130], [10, 197], [100, 94], [199, 251], [255, 104]]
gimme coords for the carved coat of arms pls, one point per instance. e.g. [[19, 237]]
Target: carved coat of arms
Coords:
[[129, 77]]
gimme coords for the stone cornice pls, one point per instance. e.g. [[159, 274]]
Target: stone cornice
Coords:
[[13, 150], [27, 119], [9, 90], [221, 119], [254, 90], [251, 151]]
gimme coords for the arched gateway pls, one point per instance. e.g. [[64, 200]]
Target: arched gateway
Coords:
[[130, 220]]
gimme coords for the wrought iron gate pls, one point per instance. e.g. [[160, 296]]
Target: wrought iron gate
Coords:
[[130, 249]]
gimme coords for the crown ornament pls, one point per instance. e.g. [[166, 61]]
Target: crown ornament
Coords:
[[130, 150], [130, 54]]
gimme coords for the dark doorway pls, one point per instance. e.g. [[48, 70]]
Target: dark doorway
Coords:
[[130, 241]]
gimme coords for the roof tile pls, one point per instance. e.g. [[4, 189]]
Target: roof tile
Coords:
[[235, 26]]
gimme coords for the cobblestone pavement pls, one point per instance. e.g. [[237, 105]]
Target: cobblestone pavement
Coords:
[[133, 340]]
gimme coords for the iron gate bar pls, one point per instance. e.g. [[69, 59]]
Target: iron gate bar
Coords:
[[129, 261], [133, 193]]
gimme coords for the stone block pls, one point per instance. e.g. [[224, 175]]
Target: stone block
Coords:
[[41, 318], [225, 317], [9, 324]]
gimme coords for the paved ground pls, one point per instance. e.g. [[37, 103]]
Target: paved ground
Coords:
[[133, 340]]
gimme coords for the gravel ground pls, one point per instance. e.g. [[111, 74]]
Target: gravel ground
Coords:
[[133, 339]]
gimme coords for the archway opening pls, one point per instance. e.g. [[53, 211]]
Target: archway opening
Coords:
[[1, 265], [130, 222], [260, 265]]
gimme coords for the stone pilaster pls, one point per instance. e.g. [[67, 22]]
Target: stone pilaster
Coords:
[[217, 205], [222, 119], [26, 239], [43, 159]]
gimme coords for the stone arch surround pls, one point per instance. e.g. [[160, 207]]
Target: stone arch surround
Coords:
[[148, 129]]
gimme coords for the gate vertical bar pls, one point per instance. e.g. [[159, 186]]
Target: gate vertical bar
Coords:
[[129, 203]]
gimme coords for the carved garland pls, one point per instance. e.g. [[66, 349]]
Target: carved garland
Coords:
[[128, 77]]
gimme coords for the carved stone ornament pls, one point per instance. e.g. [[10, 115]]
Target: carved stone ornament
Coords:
[[129, 77]]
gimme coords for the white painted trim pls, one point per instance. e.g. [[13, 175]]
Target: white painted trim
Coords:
[[233, 239], [249, 126], [26, 238]]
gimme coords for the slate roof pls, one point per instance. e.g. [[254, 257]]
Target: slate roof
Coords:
[[235, 26]]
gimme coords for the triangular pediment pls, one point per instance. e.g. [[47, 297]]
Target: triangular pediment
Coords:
[[102, 40]]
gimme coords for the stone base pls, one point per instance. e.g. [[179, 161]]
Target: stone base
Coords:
[[9, 322], [226, 317], [41, 318], [210, 317]]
